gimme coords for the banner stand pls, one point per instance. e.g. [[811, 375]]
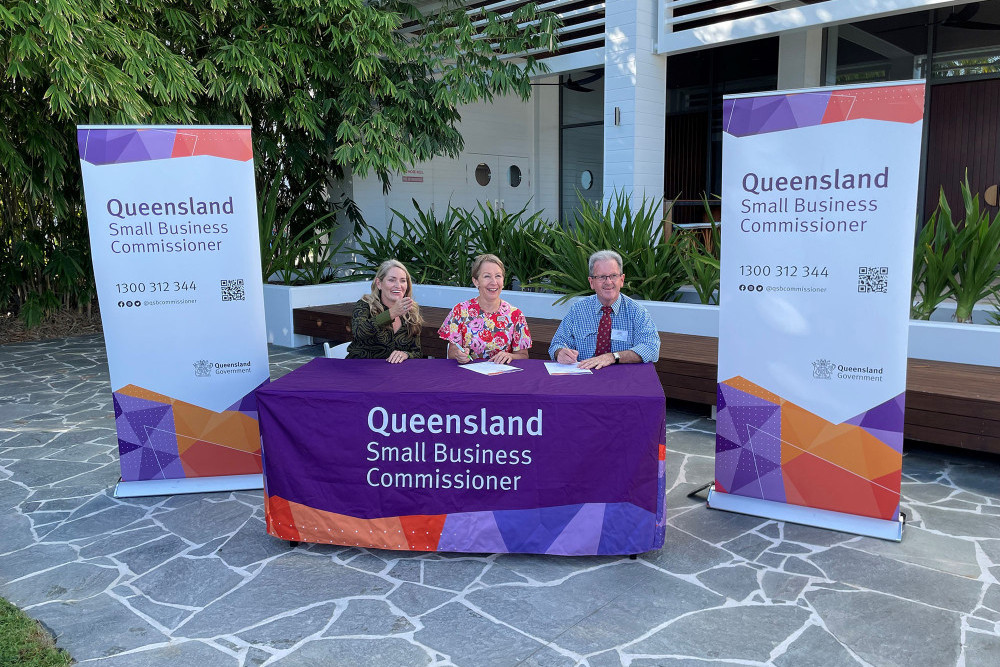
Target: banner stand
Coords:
[[169, 487], [807, 516]]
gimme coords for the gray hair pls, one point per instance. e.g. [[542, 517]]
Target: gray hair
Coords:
[[604, 256]]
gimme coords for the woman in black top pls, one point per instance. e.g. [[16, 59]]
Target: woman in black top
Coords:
[[386, 323]]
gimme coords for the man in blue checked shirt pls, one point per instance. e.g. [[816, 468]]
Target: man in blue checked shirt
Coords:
[[607, 328]]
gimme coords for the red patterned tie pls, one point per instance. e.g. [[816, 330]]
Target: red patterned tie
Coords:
[[604, 332]]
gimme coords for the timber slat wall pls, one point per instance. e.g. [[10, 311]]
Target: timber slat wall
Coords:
[[949, 404]]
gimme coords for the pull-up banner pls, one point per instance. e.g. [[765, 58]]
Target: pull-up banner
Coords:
[[173, 230], [818, 211]]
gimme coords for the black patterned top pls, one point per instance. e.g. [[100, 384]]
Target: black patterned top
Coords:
[[374, 338]]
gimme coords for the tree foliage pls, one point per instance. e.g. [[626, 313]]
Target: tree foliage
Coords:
[[329, 88]]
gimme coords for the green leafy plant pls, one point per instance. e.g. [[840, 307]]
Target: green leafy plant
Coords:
[[993, 317], [436, 248], [514, 238], [289, 255], [934, 260], [957, 259], [978, 243], [652, 268], [700, 256], [372, 247]]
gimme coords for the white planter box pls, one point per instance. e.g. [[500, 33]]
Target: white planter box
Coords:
[[280, 300], [940, 341]]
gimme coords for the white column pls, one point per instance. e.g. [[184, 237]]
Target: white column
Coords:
[[545, 172], [800, 59], [636, 85]]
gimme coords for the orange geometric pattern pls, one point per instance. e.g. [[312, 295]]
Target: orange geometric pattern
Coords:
[[838, 467], [208, 443], [293, 521]]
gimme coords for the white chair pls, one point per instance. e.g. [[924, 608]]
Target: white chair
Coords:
[[335, 352]]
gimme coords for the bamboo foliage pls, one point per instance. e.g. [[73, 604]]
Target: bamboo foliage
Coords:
[[328, 89]]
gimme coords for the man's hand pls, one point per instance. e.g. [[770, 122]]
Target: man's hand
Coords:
[[600, 361], [397, 357], [566, 356]]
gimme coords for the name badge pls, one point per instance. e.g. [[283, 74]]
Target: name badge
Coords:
[[619, 334]]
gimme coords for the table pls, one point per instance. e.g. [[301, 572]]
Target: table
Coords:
[[428, 456]]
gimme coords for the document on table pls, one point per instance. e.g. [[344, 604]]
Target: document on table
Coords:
[[555, 368], [489, 368]]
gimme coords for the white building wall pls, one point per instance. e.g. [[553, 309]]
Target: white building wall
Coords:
[[635, 84], [502, 133]]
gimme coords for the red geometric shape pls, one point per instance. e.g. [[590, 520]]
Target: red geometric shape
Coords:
[[663, 453], [423, 531], [279, 519], [206, 459], [232, 144], [889, 504], [814, 482], [898, 104]]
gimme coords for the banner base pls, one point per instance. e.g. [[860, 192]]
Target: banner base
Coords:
[[808, 516], [169, 487]]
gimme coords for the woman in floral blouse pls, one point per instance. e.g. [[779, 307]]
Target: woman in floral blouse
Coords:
[[486, 326]]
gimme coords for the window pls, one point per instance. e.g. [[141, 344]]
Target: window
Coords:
[[514, 175], [483, 174]]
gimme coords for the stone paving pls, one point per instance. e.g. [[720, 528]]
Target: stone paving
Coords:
[[195, 580]]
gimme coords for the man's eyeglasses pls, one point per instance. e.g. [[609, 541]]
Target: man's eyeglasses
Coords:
[[611, 276]]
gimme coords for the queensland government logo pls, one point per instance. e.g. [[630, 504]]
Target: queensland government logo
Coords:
[[823, 369], [202, 368]]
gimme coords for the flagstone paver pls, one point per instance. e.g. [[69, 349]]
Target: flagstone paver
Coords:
[[195, 580]]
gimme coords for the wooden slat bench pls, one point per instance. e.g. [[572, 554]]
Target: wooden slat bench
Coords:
[[946, 403]]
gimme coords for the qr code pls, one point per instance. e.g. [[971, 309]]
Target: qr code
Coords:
[[232, 290], [873, 279]]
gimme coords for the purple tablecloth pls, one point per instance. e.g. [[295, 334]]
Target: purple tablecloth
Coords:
[[426, 455]]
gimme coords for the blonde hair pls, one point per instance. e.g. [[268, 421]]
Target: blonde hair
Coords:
[[412, 317], [478, 262]]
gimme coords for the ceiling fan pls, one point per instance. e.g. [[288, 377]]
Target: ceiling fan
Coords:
[[963, 19], [578, 85]]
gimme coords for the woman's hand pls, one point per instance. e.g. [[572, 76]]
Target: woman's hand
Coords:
[[397, 357], [401, 307], [460, 354], [502, 357]]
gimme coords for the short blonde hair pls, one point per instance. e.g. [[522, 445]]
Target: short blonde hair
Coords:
[[478, 262]]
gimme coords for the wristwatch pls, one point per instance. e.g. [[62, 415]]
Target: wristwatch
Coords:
[[618, 357]]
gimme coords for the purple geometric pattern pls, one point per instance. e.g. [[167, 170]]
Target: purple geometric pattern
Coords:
[[248, 404], [748, 445], [758, 115], [147, 441], [116, 146], [568, 530], [884, 421], [774, 113], [473, 532]]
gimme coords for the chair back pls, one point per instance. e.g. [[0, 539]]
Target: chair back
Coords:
[[335, 352]]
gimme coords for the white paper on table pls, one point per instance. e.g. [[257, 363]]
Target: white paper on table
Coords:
[[489, 368], [555, 368]]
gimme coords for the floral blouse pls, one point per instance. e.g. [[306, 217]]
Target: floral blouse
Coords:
[[486, 333]]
